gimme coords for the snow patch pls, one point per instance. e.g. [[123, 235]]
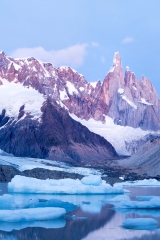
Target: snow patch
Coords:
[[129, 102], [121, 90], [14, 95], [93, 84], [134, 88], [71, 88], [145, 102], [63, 95]]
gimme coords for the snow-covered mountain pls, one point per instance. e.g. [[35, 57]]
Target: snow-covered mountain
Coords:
[[120, 109], [120, 96]]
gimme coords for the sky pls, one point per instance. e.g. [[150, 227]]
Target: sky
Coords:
[[85, 34]]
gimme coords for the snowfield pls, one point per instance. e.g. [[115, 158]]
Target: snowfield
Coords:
[[14, 95], [115, 134]]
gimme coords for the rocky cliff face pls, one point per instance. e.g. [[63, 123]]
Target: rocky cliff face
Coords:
[[120, 96], [146, 161], [54, 136]]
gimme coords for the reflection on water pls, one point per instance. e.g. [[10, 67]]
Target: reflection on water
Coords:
[[101, 221]]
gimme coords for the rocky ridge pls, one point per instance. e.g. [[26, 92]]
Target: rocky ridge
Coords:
[[120, 96]]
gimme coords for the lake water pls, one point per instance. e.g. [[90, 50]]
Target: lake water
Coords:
[[94, 219]]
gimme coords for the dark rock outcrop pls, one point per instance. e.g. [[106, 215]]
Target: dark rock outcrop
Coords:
[[56, 136]]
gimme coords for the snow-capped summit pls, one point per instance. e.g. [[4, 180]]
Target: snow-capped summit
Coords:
[[90, 100], [26, 85]]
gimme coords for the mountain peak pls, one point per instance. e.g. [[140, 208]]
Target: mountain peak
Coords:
[[117, 64], [2, 53], [127, 69]]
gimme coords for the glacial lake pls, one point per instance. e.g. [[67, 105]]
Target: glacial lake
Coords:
[[94, 219]]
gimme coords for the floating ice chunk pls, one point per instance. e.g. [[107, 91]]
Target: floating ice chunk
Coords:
[[119, 198], [31, 214], [92, 180], [21, 184], [145, 198], [140, 183], [8, 227], [140, 223], [7, 202], [153, 203]]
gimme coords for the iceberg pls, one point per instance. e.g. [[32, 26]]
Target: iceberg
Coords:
[[119, 199], [31, 214], [21, 184], [140, 223], [139, 183], [153, 203], [93, 180]]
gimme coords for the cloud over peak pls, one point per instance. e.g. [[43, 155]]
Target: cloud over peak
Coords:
[[72, 56]]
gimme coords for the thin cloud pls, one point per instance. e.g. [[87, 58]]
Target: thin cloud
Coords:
[[128, 40], [72, 56], [94, 44]]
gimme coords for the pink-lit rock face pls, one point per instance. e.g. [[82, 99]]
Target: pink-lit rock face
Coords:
[[120, 96]]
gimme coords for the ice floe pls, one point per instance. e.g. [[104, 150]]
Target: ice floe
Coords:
[[21, 184], [140, 223], [31, 214], [153, 203], [139, 183]]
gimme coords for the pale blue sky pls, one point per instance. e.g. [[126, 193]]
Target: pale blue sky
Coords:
[[84, 34]]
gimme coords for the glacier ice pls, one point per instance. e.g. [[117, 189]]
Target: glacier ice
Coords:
[[139, 183], [21, 184], [93, 180], [140, 223]]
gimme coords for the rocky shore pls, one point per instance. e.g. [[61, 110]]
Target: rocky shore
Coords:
[[110, 174]]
